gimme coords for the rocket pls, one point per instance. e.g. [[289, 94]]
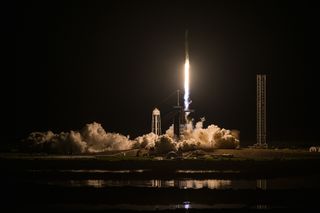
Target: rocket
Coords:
[[186, 46]]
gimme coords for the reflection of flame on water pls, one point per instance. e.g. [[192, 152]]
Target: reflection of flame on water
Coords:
[[186, 204]]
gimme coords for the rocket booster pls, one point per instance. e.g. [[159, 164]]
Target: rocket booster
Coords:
[[186, 46]]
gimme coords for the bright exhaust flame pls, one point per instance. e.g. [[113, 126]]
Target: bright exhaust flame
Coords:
[[186, 84]]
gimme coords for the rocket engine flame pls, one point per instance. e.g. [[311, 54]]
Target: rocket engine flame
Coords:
[[186, 77], [186, 84]]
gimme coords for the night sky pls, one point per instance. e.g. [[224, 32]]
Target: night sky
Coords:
[[113, 62]]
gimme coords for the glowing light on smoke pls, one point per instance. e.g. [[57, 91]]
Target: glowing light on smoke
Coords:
[[186, 84]]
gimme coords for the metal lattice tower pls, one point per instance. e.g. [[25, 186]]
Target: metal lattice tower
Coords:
[[261, 111], [156, 122], [179, 118]]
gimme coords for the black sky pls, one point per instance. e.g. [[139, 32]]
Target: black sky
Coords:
[[113, 61]]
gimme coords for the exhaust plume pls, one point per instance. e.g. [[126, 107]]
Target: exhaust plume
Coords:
[[186, 75]]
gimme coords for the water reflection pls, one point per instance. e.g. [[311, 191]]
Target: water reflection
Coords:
[[199, 184], [193, 184], [206, 171], [262, 184], [182, 184], [262, 206], [92, 171], [186, 204], [163, 183], [171, 207]]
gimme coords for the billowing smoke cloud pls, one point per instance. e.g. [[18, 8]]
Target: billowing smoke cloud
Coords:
[[94, 139], [67, 143], [210, 137], [98, 140], [146, 141], [91, 139]]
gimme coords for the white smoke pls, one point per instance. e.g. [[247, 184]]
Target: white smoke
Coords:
[[94, 139], [91, 139], [210, 137], [67, 143], [204, 138], [170, 131], [98, 140], [146, 141]]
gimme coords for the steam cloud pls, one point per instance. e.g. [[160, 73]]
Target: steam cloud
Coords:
[[94, 139], [91, 139]]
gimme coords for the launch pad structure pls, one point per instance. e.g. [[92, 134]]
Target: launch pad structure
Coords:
[[180, 118], [180, 112]]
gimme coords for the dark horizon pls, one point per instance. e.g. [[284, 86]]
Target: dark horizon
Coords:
[[113, 62]]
